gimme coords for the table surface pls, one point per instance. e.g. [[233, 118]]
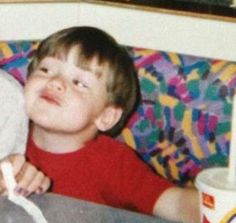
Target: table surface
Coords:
[[60, 209]]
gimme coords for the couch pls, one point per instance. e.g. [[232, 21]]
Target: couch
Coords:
[[183, 123]]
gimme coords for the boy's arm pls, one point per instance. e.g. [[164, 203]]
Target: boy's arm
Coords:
[[179, 204]]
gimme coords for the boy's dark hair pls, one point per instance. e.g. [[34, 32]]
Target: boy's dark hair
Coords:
[[90, 42]]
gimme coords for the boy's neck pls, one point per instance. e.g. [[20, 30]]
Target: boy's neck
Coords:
[[58, 142]]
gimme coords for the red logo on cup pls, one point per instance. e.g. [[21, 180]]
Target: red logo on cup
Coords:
[[208, 201], [205, 220]]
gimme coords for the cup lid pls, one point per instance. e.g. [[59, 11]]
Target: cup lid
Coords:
[[214, 178]]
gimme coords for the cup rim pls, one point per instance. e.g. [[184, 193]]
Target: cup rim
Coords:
[[218, 180]]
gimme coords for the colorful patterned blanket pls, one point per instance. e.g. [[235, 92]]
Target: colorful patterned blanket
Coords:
[[183, 123]]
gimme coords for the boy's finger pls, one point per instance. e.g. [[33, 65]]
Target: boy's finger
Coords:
[[44, 186], [26, 176], [36, 183]]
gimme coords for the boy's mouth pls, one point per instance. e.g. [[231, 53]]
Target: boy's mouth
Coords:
[[50, 98]]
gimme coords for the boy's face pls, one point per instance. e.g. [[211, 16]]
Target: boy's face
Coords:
[[63, 97]]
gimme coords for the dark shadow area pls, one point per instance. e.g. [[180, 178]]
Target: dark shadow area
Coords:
[[212, 7]]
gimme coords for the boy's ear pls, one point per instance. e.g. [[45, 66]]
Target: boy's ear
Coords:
[[108, 118]]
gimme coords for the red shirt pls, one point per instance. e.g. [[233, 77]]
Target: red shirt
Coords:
[[104, 171]]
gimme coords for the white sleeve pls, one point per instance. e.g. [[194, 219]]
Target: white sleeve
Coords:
[[13, 120]]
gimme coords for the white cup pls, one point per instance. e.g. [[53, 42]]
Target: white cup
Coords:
[[217, 196]]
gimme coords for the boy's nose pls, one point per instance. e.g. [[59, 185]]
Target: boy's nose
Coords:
[[57, 83]]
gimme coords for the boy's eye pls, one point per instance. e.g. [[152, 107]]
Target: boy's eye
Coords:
[[45, 70], [78, 83]]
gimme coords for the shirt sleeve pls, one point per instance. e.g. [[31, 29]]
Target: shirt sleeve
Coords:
[[13, 120], [137, 187]]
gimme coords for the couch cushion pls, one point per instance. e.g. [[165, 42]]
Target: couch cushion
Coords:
[[183, 123], [15, 56]]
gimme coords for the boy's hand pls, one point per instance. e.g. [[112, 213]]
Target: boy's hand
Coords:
[[29, 179]]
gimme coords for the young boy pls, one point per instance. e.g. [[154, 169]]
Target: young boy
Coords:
[[82, 87]]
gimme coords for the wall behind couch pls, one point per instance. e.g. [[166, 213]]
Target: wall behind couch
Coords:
[[131, 26]]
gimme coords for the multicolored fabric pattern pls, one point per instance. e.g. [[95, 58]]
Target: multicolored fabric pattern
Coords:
[[15, 56], [183, 123]]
